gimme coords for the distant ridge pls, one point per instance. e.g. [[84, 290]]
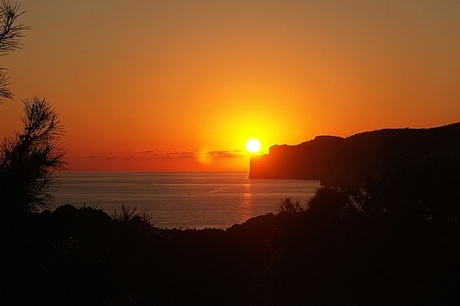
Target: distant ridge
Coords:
[[337, 160]]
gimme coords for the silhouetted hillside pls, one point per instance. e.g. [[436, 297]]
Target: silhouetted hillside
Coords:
[[336, 160], [393, 242]]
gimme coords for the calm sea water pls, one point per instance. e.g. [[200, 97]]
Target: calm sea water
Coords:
[[183, 199]]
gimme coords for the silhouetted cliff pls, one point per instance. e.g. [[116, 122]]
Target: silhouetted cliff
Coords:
[[337, 160]]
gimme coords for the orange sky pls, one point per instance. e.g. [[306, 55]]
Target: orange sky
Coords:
[[180, 85]]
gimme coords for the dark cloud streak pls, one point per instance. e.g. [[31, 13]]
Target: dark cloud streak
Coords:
[[225, 154]]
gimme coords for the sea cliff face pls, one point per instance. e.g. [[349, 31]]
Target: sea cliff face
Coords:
[[352, 160]]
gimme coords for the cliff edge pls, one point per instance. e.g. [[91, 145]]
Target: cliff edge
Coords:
[[336, 160]]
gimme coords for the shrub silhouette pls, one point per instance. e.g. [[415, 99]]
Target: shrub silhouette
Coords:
[[288, 206]]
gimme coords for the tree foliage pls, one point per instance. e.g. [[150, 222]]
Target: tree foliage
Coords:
[[10, 34], [27, 160]]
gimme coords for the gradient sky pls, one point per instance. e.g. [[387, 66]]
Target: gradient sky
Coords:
[[180, 85]]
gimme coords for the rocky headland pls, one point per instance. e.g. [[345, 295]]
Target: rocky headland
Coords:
[[354, 159]]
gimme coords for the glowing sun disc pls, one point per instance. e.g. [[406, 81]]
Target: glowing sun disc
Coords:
[[253, 145]]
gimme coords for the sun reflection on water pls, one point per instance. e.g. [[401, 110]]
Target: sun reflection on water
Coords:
[[246, 205]]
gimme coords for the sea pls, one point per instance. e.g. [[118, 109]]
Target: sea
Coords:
[[183, 200]]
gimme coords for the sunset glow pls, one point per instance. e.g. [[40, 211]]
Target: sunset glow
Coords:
[[166, 85]]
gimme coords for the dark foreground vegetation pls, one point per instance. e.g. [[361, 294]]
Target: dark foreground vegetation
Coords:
[[392, 242]]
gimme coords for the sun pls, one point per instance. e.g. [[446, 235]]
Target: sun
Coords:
[[253, 145]]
